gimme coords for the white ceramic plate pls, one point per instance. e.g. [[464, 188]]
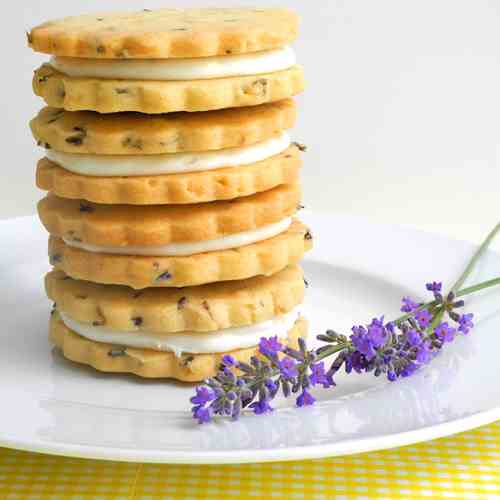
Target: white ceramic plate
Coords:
[[356, 271]]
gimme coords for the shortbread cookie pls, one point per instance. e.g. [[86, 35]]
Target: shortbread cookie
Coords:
[[166, 33], [200, 308], [262, 258], [182, 188], [145, 362], [143, 225], [154, 96], [136, 134]]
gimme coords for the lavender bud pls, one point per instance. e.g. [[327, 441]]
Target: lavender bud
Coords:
[[302, 345], [458, 303], [255, 361], [246, 368], [236, 410], [293, 354], [227, 408], [325, 338], [322, 349], [331, 333], [217, 406], [246, 393], [263, 393], [285, 387]]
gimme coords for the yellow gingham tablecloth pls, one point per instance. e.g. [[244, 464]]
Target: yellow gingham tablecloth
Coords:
[[464, 466]]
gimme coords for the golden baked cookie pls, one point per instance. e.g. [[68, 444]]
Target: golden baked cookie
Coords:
[[148, 363], [155, 96], [136, 134], [154, 225], [166, 33], [179, 188], [262, 258], [199, 308]]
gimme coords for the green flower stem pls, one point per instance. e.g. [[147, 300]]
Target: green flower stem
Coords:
[[478, 287], [437, 319], [333, 349], [472, 263], [438, 315]]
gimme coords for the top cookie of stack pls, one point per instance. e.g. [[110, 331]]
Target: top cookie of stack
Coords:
[[157, 61]]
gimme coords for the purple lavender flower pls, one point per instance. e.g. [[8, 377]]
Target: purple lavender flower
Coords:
[[435, 286], [424, 353], [288, 368], [270, 346], [356, 361], [444, 332], [318, 375], [414, 337], [228, 361], [424, 318], [203, 396], [465, 323], [377, 332], [262, 406], [367, 340], [271, 386], [409, 369], [362, 342], [202, 414], [408, 305], [305, 399]]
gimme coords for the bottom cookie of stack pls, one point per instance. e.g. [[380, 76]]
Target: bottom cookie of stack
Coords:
[[175, 333]]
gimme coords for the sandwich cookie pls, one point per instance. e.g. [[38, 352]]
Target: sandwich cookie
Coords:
[[167, 159], [180, 333], [172, 246], [168, 60]]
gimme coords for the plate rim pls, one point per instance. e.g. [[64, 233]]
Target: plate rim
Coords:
[[288, 454], [291, 453]]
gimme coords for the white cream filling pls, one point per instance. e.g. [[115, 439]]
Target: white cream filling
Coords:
[[176, 249], [171, 163], [224, 340], [176, 68]]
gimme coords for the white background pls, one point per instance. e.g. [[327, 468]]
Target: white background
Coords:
[[401, 114]]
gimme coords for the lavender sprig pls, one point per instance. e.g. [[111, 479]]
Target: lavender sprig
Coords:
[[394, 349]]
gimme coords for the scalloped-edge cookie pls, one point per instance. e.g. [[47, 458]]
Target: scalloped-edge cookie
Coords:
[[153, 97], [137, 134], [148, 363], [263, 258], [166, 33], [151, 225], [182, 188], [199, 308]]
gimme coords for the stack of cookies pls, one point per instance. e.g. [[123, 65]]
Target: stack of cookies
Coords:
[[173, 186]]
